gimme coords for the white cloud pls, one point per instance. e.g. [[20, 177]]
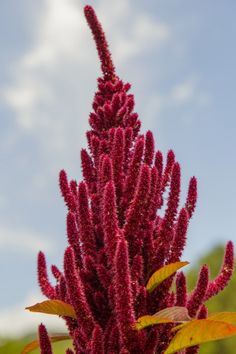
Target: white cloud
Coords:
[[25, 241], [60, 49], [183, 92], [187, 92], [17, 321]]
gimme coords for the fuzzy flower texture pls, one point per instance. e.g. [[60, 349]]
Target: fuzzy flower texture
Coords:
[[124, 222]]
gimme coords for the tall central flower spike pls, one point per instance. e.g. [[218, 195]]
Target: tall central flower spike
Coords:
[[117, 236]]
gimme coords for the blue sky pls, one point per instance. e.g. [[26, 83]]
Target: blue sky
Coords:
[[180, 58]]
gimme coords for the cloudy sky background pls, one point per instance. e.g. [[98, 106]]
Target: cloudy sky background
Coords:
[[180, 58]]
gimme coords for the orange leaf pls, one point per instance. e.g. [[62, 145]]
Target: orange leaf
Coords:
[[198, 332], [35, 344], [53, 307], [163, 273]]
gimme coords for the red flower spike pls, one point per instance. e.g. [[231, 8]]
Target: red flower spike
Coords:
[[154, 195], [73, 188], [159, 162], [137, 268], [46, 288], [62, 289], [85, 222], [76, 293], [180, 236], [149, 148], [141, 303], [56, 272], [203, 312], [66, 192], [63, 181], [95, 148], [97, 341], [107, 66], [106, 173], [112, 339], [135, 214], [110, 221], [123, 296], [197, 297], [133, 172], [104, 276], [87, 169], [172, 207], [225, 274], [72, 232], [128, 144], [167, 172], [79, 341], [173, 198], [44, 341], [117, 157], [192, 196], [95, 122], [181, 290], [153, 339], [69, 351]]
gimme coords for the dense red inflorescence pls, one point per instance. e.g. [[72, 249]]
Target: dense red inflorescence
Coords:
[[116, 234]]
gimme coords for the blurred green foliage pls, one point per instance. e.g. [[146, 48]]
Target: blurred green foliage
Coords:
[[225, 301], [15, 346]]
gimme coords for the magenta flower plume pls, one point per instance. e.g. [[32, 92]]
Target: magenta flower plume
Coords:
[[124, 222], [97, 342], [225, 274], [181, 290], [108, 68], [197, 296], [44, 340], [123, 294], [46, 288], [192, 196], [77, 294]]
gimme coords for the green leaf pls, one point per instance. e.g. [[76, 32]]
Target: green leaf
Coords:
[[53, 307], [35, 344], [198, 332], [168, 315], [163, 273]]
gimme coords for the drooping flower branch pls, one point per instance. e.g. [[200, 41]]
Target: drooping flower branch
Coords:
[[116, 234]]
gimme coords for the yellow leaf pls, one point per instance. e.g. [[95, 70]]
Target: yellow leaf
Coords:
[[53, 307], [176, 328], [35, 344], [163, 273], [229, 317], [198, 332], [148, 320]]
